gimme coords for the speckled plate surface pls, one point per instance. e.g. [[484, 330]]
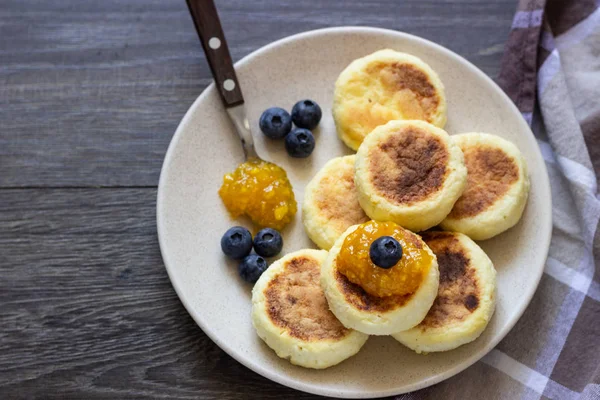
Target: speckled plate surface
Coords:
[[191, 217]]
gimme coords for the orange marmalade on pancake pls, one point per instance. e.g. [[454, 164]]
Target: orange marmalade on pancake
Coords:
[[261, 190], [404, 278]]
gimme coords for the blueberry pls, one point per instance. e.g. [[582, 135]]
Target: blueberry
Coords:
[[268, 242], [385, 252], [300, 143], [237, 242], [275, 123], [306, 114], [252, 267]]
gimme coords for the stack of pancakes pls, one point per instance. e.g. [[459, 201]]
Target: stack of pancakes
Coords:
[[391, 108]]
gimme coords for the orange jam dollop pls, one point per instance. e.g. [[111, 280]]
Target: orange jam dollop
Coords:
[[404, 278], [261, 190]]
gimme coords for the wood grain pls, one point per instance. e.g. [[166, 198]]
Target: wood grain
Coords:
[[88, 310], [92, 91], [90, 95]]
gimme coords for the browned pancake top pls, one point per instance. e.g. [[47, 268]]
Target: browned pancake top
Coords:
[[361, 300], [340, 206], [490, 172], [408, 166], [296, 302], [401, 76], [458, 292]]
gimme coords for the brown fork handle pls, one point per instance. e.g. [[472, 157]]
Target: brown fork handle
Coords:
[[208, 26]]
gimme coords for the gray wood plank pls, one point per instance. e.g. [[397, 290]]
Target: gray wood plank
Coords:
[[88, 311], [91, 92]]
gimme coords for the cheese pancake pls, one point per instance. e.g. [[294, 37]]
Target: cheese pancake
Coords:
[[373, 315], [290, 313], [385, 86], [410, 173], [466, 296], [331, 202], [497, 187]]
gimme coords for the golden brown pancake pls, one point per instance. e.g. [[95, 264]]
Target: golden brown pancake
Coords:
[[497, 187], [343, 210], [466, 295], [419, 98], [458, 293], [491, 172], [330, 203], [408, 168], [373, 315], [290, 313], [409, 172], [295, 302], [384, 86]]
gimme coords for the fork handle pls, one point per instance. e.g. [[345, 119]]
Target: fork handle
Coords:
[[208, 26]]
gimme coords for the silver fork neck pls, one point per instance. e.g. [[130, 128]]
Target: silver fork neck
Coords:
[[242, 127]]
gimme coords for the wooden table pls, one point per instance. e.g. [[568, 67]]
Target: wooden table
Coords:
[[90, 94]]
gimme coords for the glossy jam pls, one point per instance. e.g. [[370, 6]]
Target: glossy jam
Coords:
[[403, 278], [261, 190]]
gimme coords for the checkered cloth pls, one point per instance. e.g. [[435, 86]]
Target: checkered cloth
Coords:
[[553, 51]]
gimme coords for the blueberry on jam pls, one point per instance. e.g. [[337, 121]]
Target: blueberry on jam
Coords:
[[385, 252]]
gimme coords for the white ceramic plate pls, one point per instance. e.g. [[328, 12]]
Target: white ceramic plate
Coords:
[[191, 217]]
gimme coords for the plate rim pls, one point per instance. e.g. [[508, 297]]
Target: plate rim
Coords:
[[272, 374]]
